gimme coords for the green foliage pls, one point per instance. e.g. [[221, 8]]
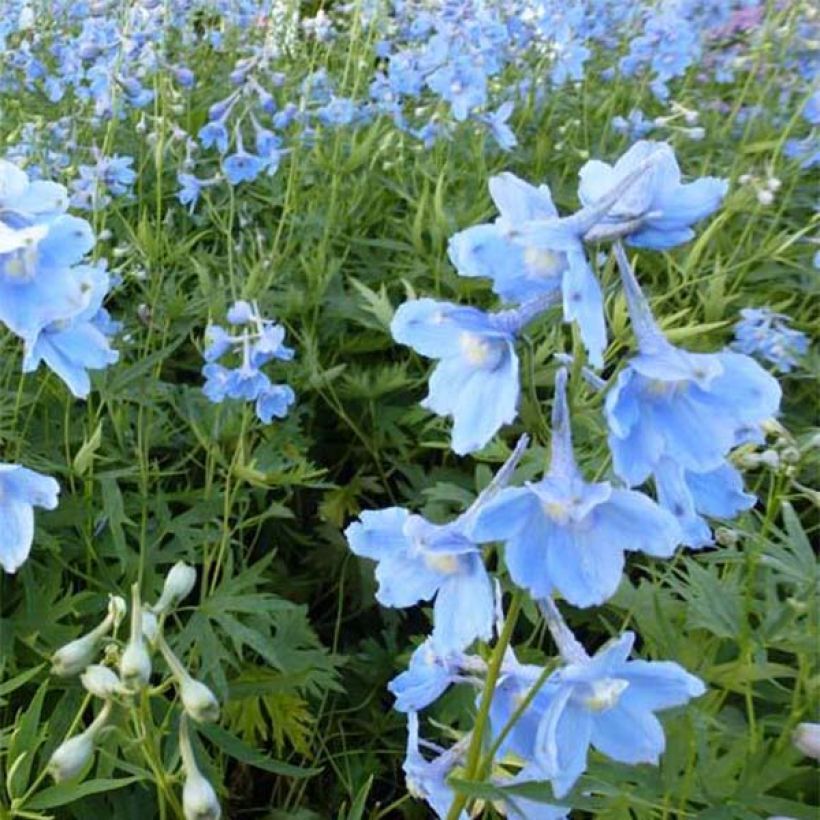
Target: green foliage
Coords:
[[283, 623]]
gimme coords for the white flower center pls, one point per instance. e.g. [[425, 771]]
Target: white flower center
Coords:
[[447, 564], [480, 352], [542, 263], [605, 694]]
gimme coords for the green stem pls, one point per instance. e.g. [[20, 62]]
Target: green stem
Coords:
[[483, 716]]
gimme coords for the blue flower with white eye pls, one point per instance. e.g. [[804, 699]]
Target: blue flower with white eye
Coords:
[[764, 333], [566, 534], [518, 272], [418, 561], [428, 675], [676, 415], [476, 380], [662, 207], [21, 490], [608, 702]]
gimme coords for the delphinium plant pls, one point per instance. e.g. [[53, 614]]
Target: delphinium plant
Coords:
[[674, 417]]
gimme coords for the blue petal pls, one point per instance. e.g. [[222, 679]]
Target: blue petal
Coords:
[[584, 303], [584, 567], [405, 580], [633, 521], [379, 533], [527, 552], [465, 606], [656, 685], [719, 493], [518, 201], [675, 496], [504, 515], [16, 534], [628, 735], [562, 743]]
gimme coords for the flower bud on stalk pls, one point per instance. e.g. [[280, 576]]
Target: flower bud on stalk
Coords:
[[101, 681], [135, 664], [199, 800], [198, 700], [72, 658], [72, 756], [178, 584]]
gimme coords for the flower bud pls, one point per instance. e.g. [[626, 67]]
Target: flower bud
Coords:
[[178, 584], [75, 656], [150, 627], [806, 738], [135, 663], [100, 681], [71, 757], [199, 800], [199, 701]]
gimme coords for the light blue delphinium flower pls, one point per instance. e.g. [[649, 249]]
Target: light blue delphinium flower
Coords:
[[566, 534], [418, 560], [429, 673], [518, 272], [662, 208], [427, 780], [609, 702], [496, 122], [73, 346], [764, 333], [476, 380], [673, 414], [21, 490]]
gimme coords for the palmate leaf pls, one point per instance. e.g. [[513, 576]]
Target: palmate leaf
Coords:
[[241, 623]]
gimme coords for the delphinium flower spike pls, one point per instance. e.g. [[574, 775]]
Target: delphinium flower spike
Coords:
[[675, 415], [763, 333], [565, 534], [259, 342]]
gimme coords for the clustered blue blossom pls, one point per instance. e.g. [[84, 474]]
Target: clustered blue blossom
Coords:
[[535, 258], [256, 342], [766, 334], [436, 67], [674, 417], [50, 296]]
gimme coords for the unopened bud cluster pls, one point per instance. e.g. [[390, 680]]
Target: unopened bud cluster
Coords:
[[116, 673]]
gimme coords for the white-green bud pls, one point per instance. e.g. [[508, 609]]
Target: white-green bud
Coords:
[[199, 800], [71, 757], [150, 627], [101, 681], [75, 656], [806, 738], [198, 700], [135, 663], [178, 585]]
